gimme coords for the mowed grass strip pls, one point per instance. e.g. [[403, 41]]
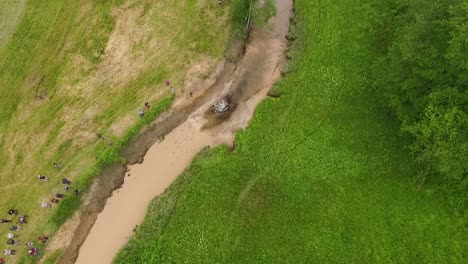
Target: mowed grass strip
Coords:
[[75, 69], [320, 176]]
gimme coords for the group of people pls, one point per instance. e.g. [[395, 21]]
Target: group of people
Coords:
[[18, 220], [22, 219], [103, 138], [141, 112], [12, 242], [147, 107], [58, 196]]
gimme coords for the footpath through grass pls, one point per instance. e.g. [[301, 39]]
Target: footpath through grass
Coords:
[[320, 176], [72, 70]]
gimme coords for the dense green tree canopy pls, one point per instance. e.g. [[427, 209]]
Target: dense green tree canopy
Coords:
[[424, 72]]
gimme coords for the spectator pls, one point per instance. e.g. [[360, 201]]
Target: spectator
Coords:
[[12, 212], [9, 252], [66, 181], [43, 239], [22, 219], [32, 251], [43, 178], [12, 242], [45, 205]]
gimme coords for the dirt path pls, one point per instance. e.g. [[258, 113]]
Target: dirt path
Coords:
[[246, 83]]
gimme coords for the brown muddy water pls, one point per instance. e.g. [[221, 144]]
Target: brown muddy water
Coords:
[[187, 131]]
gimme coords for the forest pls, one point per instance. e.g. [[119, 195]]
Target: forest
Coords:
[[423, 72]]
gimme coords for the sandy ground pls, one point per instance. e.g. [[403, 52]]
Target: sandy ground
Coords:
[[247, 84]]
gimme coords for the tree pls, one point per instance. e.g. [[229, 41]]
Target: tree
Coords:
[[424, 71]]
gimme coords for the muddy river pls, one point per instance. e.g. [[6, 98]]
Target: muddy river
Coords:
[[246, 83]]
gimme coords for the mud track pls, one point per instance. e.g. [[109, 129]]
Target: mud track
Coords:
[[112, 178], [246, 82]]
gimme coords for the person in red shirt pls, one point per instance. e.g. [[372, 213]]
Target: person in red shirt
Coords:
[[32, 251], [43, 239]]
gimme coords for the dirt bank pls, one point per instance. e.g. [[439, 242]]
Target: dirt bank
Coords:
[[109, 222]]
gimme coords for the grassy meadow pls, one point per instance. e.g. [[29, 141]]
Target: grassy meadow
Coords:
[[70, 70], [321, 175]]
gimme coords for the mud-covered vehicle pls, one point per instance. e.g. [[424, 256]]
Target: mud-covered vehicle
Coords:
[[218, 112], [221, 106]]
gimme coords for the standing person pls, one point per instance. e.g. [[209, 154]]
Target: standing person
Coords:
[[172, 90], [147, 106], [67, 187], [141, 113], [168, 83], [220, 3], [2, 261]]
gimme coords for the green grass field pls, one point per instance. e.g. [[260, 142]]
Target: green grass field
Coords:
[[320, 176], [72, 69]]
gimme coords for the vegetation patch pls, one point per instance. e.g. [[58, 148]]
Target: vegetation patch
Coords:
[[422, 70], [54, 257]]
